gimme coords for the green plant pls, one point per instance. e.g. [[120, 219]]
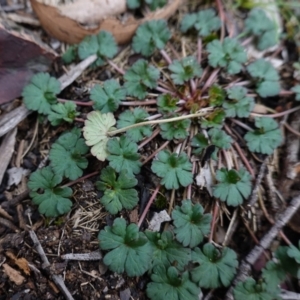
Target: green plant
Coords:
[[41, 93], [45, 192], [264, 31], [187, 98], [233, 186], [103, 45], [66, 155], [153, 4], [167, 251], [130, 249], [265, 138], [175, 130], [135, 116], [151, 35], [174, 169], [185, 69], [62, 112], [265, 76], [251, 290], [118, 191], [95, 132], [107, 98], [216, 267], [140, 77], [238, 104], [205, 22], [229, 54], [169, 283], [191, 224], [123, 155]]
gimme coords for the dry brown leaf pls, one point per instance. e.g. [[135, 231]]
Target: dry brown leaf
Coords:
[[92, 11], [72, 32], [13, 274], [20, 57], [22, 263]]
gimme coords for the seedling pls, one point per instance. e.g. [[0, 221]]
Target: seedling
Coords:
[[216, 267], [205, 22], [265, 32], [233, 186], [118, 190], [266, 77], [265, 138], [160, 115], [41, 93]]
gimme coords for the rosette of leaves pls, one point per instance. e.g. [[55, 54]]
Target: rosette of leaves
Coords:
[[66, 155], [169, 283], [135, 116], [96, 130], [175, 130], [259, 25], [238, 104], [266, 138], [150, 36], [265, 76], [228, 54], [130, 250], [139, 78], [45, 192], [217, 267], [175, 170], [118, 191], [41, 93], [233, 186], [185, 69], [167, 251], [103, 45], [123, 155], [62, 112], [107, 98], [205, 22], [191, 224]]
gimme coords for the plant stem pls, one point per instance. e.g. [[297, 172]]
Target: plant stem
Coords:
[[155, 152], [200, 114], [137, 103], [112, 64], [80, 179], [81, 103], [147, 140], [199, 50], [277, 115], [166, 56], [148, 206]]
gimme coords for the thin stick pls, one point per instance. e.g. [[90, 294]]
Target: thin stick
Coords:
[[56, 278]]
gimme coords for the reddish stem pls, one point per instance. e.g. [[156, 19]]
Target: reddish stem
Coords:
[[80, 179], [155, 152], [222, 18], [115, 67], [148, 206], [81, 103], [166, 56], [137, 103], [146, 141]]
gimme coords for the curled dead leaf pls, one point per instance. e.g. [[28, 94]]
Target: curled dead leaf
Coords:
[[71, 31]]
